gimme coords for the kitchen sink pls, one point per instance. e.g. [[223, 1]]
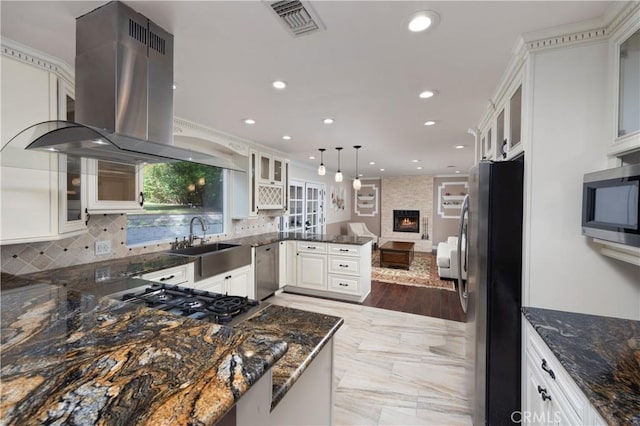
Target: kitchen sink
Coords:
[[217, 258]]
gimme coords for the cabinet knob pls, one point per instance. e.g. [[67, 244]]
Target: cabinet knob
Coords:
[[541, 389], [344, 266], [545, 397], [546, 368], [343, 284]]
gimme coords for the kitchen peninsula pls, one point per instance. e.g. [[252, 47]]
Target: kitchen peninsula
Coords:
[[69, 352]]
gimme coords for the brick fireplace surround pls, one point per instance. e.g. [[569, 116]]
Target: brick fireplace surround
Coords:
[[406, 193]]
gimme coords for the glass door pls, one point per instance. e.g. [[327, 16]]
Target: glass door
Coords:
[[306, 207]]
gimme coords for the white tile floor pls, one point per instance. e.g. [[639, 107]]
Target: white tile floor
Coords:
[[393, 368]]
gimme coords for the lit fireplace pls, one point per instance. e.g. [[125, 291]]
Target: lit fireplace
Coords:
[[406, 221]]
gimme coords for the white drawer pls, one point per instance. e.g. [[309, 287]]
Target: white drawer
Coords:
[[176, 275], [344, 265], [344, 284], [561, 383], [344, 250], [311, 247]]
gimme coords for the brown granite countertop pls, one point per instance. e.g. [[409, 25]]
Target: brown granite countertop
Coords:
[[62, 343], [274, 237], [69, 357], [601, 354]]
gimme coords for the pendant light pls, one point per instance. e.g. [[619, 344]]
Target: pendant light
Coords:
[[356, 182], [321, 169], [339, 173]]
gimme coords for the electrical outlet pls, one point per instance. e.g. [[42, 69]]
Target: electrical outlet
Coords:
[[103, 247]]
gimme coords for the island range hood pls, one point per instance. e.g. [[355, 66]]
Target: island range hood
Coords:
[[124, 95]]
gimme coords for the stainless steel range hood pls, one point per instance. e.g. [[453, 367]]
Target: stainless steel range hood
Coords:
[[124, 94]]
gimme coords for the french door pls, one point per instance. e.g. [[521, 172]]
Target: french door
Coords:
[[306, 207]]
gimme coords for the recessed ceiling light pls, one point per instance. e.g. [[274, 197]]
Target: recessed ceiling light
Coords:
[[382, 170], [419, 167], [249, 121], [429, 123], [372, 163], [328, 120], [457, 171], [459, 146], [286, 137], [279, 84], [415, 161], [427, 94], [422, 20], [360, 175], [311, 157]]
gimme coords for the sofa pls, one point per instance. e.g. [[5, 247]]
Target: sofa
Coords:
[[447, 258]]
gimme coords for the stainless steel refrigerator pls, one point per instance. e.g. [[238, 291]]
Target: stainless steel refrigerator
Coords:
[[491, 233]]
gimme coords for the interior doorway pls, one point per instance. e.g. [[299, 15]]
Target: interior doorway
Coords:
[[306, 207]]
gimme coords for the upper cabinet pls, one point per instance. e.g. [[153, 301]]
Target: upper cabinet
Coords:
[[114, 187], [43, 194], [265, 186], [625, 47]]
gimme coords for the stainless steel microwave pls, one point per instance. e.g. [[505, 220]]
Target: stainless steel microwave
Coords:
[[610, 209]]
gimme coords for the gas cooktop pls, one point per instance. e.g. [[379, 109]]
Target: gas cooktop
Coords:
[[196, 304]]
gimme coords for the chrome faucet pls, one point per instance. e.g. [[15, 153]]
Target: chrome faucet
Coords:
[[204, 230]]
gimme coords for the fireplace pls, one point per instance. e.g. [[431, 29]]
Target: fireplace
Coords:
[[406, 221]]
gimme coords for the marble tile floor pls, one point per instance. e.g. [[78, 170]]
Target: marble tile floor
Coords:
[[393, 368]]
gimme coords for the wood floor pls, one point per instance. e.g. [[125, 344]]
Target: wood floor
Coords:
[[431, 302]]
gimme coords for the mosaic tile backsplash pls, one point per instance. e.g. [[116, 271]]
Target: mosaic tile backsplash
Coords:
[[20, 259]]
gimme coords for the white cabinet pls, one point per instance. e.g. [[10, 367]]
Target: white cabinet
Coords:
[[114, 187], [311, 265], [42, 194], [287, 263], [341, 271], [551, 397], [238, 282], [179, 275]]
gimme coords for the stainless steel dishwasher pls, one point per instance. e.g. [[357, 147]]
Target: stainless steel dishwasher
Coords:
[[266, 270]]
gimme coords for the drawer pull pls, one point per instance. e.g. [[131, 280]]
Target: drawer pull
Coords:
[[344, 249], [167, 278], [343, 266], [343, 284], [541, 389], [311, 247], [546, 368], [545, 397]]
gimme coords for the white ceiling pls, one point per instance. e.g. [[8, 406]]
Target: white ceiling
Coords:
[[365, 70]]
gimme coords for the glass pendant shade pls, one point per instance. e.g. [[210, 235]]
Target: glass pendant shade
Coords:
[[338, 173], [321, 169], [357, 184]]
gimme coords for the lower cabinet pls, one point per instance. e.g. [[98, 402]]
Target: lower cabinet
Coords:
[[238, 282], [340, 271], [551, 397], [311, 266]]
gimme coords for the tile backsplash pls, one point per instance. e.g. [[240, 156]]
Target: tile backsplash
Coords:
[[21, 259]]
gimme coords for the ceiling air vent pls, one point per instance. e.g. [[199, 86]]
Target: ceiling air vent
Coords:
[[297, 17]]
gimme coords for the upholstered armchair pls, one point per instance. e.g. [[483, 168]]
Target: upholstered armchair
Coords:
[[360, 229], [447, 258]]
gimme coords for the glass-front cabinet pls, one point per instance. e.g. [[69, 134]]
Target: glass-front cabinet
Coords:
[[271, 169], [626, 79], [114, 187], [73, 198]]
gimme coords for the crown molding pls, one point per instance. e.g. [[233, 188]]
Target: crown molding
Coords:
[[31, 56]]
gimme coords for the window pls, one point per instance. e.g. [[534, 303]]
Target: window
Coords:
[[175, 193]]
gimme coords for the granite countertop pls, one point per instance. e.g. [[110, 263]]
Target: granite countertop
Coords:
[[62, 340], [601, 354], [274, 237], [70, 357]]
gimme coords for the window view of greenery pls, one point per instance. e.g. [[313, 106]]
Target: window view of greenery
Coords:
[[174, 193]]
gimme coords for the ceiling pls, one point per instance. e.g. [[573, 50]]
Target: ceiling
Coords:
[[364, 70]]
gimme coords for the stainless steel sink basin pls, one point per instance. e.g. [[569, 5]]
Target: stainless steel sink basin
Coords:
[[217, 258]]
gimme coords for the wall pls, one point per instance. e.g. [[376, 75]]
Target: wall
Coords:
[[405, 193], [372, 222], [569, 133], [443, 227]]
